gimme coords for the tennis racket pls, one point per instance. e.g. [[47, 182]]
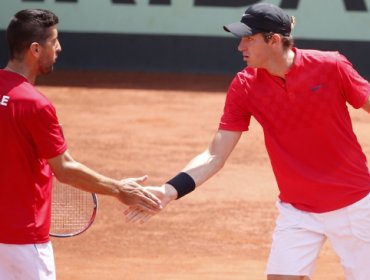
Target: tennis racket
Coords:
[[72, 210]]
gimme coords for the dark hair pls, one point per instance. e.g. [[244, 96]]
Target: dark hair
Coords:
[[288, 41], [26, 27]]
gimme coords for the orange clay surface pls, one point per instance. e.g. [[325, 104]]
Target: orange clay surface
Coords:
[[129, 125]]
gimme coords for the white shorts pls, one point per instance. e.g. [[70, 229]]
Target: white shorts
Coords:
[[28, 261], [299, 236]]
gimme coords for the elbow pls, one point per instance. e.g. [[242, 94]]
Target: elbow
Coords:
[[218, 163], [61, 176], [67, 173]]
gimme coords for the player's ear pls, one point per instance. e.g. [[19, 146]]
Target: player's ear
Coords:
[[275, 39], [35, 49]]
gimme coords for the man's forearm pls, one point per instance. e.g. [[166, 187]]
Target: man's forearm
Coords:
[[366, 107], [203, 167]]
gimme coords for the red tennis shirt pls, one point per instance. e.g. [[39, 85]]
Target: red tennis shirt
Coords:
[[29, 134], [316, 158]]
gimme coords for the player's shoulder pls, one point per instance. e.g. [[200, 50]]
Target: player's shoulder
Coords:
[[315, 56], [27, 95], [247, 75]]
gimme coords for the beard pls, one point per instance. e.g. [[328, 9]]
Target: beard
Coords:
[[46, 69]]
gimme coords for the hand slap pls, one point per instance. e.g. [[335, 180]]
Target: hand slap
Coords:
[[165, 193], [133, 194]]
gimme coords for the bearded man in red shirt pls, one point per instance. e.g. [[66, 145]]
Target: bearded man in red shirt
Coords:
[[33, 147]]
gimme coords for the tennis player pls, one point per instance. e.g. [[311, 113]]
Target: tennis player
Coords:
[[32, 147], [300, 99]]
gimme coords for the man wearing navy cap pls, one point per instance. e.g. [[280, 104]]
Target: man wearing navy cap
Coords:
[[300, 99]]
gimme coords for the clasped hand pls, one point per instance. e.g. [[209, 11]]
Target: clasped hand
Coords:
[[165, 193]]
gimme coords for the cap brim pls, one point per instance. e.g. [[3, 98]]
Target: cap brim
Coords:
[[239, 29]]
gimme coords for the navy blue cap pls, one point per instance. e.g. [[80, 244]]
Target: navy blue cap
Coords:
[[261, 17]]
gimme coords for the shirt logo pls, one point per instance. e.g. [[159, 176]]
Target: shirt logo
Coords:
[[316, 88], [4, 99]]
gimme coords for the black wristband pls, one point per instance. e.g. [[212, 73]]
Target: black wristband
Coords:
[[183, 183]]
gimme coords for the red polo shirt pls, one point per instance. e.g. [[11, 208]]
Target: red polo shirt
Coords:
[[316, 158], [29, 134]]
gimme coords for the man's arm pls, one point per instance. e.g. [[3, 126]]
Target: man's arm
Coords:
[[200, 169], [128, 191], [366, 107], [208, 163]]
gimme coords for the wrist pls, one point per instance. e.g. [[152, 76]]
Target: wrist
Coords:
[[170, 191], [183, 183]]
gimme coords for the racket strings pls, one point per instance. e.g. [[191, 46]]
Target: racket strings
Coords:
[[72, 209]]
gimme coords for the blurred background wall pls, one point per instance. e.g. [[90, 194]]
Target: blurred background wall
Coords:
[[186, 36]]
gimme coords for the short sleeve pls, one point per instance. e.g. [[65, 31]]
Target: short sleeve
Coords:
[[236, 116], [355, 88], [47, 132]]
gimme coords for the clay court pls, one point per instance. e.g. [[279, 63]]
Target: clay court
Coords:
[[126, 125]]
